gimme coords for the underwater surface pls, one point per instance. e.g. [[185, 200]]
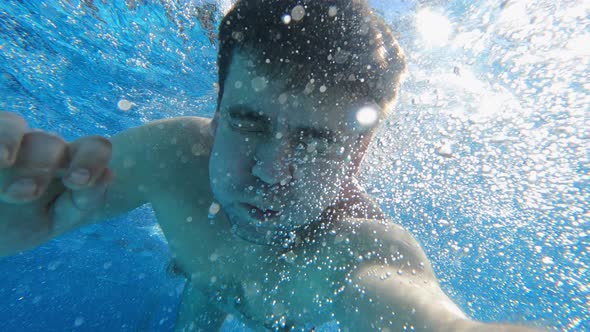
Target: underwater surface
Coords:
[[484, 159]]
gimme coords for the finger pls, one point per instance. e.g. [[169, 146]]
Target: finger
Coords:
[[38, 157], [12, 129], [92, 197], [89, 157], [74, 206]]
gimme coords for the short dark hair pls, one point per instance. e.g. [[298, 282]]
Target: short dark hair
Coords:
[[323, 42]]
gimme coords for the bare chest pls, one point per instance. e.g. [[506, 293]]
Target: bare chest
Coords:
[[272, 290], [292, 292]]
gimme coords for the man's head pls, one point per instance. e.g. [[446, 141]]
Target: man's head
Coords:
[[335, 43], [303, 84]]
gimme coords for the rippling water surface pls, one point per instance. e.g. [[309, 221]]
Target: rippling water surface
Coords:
[[485, 158]]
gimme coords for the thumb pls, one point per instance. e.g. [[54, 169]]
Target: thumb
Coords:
[[74, 207]]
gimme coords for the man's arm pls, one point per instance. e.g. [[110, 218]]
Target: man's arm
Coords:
[[50, 202], [404, 303], [399, 292], [146, 158]]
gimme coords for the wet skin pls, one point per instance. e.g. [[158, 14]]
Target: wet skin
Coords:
[[276, 161], [280, 157]]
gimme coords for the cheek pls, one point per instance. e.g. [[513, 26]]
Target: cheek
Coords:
[[231, 150], [227, 164], [320, 180], [321, 167]]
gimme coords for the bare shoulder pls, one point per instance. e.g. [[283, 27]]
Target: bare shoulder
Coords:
[[183, 130], [165, 142], [162, 154], [384, 242], [158, 157], [392, 286], [392, 279]]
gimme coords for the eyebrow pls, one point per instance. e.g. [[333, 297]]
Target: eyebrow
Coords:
[[247, 112]]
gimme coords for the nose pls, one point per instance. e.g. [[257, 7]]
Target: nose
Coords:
[[272, 163]]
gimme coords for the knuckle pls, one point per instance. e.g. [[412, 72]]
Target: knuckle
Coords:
[[102, 140], [12, 128], [12, 117], [94, 142], [91, 151], [92, 145], [43, 136], [40, 150]]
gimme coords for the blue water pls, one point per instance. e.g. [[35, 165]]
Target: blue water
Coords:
[[485, 159]]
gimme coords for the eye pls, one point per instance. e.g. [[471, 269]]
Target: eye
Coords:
[[309, 144], [247, 123]]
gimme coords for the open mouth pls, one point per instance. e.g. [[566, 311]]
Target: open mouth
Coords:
[[258, 214]]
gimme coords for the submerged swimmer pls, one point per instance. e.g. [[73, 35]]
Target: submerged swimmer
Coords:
[[260, 205]]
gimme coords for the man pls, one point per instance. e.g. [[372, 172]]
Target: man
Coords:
[[303, 86]]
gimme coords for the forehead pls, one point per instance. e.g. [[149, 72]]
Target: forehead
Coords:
[[271, 95]]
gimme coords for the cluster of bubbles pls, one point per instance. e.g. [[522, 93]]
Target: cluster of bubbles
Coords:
[[131, 63], [485, 157]]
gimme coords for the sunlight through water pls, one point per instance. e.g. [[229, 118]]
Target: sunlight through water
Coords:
[[484, 158]]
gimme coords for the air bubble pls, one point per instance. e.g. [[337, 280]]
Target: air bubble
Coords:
[[445, 150], [259, 83], [286, 18], [52, 266], [297, 13], [214, 209], [444, 222], [125, 105], [79, 321], [285, 181], [283, 98], [332, 11], [311, 147]]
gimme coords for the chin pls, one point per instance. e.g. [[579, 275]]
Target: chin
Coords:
[[258, 235], [251, 231]]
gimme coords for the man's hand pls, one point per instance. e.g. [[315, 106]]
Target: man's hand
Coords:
[[47, 186]]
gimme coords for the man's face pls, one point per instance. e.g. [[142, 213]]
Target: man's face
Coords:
[[280, 157]]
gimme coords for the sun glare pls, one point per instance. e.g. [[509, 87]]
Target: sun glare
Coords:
[[367, 116], [434, 28]]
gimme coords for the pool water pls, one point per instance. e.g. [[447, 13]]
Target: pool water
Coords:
[[484, 160]]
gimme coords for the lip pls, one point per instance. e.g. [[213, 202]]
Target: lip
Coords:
[[258, 213]]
